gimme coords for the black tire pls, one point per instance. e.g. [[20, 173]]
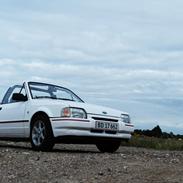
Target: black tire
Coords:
[[108, 146], [41, 134]]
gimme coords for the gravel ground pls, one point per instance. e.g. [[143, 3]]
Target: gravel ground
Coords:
[[84, 163]]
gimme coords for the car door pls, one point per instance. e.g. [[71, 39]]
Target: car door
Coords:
[[12, 114]]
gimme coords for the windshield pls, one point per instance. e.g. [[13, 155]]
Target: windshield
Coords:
[[41, 90]]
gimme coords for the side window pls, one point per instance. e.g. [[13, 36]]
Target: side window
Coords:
[[23, 91], [15, 89]]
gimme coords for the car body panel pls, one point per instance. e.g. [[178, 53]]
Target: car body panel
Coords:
[[12, 119]]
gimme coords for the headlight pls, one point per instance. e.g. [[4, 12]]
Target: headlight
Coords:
[[71, 112], [125, 118]]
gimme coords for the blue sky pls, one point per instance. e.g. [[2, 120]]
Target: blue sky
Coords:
[[122, 54]]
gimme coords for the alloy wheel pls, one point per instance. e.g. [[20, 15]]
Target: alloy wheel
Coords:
[[38, 133]]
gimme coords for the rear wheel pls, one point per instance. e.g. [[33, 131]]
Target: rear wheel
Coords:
[[108, 146], [41, 134]]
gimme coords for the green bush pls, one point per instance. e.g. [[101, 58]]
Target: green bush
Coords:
[[155, 143]]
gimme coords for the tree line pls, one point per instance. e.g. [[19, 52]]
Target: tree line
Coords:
[[157, 132]]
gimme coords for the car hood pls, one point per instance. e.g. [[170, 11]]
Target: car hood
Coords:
[[89, 108], [98, 110]]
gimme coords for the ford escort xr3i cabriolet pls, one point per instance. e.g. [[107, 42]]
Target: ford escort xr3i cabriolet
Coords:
[[47, 114]]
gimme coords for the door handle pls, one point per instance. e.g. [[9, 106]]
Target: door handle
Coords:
[[0, 108]]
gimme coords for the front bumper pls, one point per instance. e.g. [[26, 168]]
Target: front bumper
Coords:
[[86, 128]]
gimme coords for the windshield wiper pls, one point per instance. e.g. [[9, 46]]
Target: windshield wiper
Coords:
[[38, 97]]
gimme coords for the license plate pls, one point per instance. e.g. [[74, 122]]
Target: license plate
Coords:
[[107, 126]]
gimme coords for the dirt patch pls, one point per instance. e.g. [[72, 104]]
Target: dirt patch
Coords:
[[84, 163]]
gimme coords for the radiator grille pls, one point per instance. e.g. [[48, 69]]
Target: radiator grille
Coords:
[[105, 119]]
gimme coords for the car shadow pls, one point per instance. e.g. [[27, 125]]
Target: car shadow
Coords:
[[55, 150], [75, 151]]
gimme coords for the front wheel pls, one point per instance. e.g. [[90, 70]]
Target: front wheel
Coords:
[[41, 134], [108, 146]]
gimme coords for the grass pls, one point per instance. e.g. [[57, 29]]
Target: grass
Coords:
[[155, 143]]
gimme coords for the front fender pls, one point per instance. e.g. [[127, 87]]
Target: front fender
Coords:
[[30, 114]]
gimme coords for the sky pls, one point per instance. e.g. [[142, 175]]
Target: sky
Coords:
[[126, 55]]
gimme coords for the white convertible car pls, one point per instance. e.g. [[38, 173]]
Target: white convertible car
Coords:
[[46, 114]]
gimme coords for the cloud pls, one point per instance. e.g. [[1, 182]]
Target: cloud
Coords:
[[115, 54]]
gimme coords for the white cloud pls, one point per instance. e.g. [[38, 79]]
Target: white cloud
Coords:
[[120, 55]]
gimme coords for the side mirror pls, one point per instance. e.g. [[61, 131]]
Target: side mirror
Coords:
[[19, 97]]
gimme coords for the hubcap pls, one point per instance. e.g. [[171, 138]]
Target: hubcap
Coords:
[[38, 133]]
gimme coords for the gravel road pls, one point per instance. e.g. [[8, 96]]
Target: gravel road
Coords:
[[84, 163]]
